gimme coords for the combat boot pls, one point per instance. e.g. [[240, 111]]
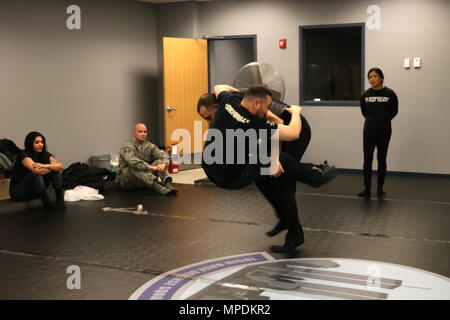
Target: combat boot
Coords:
[[160, 189], [168, 184]]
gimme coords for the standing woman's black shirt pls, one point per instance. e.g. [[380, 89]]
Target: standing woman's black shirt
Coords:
[[379, 107], [19, 171]]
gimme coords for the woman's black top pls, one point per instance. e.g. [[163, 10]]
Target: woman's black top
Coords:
[[379, 107], [19, 171]]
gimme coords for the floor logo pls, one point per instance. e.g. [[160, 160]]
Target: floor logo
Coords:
[[258, 276]]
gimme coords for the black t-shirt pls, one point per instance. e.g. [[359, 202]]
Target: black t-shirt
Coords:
[[237, 145], [379, 107], [19, 171]]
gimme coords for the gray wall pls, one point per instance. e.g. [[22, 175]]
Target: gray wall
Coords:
[[83, 89], [226, 57], [86, 89], [409, 28]]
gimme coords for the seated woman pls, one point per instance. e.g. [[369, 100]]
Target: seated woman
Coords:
[[33, 171]]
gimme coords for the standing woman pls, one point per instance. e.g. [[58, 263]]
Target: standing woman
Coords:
[[33, 171], [379, 105]]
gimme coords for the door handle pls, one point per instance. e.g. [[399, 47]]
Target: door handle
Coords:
[[170, 109]]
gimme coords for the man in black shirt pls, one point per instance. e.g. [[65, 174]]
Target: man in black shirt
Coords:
[[249, 114], [207, 107], [231, 168]]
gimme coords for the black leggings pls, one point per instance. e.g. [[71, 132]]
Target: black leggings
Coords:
[[297, 147], [372, 139], [34, 186], [301, 172], [292, 153]]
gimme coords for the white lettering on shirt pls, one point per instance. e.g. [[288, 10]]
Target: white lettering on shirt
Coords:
[[235, 114], [377, 99]]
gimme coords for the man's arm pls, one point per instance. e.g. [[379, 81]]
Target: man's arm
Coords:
[[274, 118], [362, 103], [223, 87], [291, 132], [162, 158]]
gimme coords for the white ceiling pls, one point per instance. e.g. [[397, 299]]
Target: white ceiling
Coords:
[[170, 1]]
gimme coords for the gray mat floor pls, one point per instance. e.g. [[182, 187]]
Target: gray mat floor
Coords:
[[118, 252]]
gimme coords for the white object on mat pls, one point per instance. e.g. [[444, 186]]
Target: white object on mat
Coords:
[[82, 193], [139, 209]]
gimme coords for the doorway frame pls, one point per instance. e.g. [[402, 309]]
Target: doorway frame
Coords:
[[219, 38]]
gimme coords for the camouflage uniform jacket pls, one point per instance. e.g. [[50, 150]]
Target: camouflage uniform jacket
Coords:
[[138, 157]]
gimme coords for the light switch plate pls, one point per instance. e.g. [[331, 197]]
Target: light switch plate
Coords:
[[406, 63], [416, 62]]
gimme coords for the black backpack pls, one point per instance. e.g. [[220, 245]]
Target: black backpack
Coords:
[[8, 154], [81, 174], [9, 149], [5, 163]]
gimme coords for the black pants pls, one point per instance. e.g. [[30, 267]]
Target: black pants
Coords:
[[301, 172], [280, 192], [34, 186], [372, 139]]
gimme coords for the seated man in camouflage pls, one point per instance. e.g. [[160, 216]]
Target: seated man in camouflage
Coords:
[[141, 163]]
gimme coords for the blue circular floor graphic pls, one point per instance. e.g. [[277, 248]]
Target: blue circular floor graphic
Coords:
[[258, 276]]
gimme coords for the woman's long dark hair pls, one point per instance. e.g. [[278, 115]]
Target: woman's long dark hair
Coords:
[[29, 140]]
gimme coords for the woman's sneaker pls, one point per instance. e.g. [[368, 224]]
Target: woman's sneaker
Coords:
[[364, 194]]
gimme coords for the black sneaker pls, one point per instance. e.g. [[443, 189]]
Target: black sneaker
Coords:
[[380, 193], [328, 174], [364, 194], [286, 248], [276, 230]]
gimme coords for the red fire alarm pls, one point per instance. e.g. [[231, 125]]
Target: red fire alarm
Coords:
[[282, 43]]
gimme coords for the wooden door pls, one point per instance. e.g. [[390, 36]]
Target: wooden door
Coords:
[[185, 74]]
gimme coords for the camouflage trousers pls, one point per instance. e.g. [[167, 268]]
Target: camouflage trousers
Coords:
[[137, 179]]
